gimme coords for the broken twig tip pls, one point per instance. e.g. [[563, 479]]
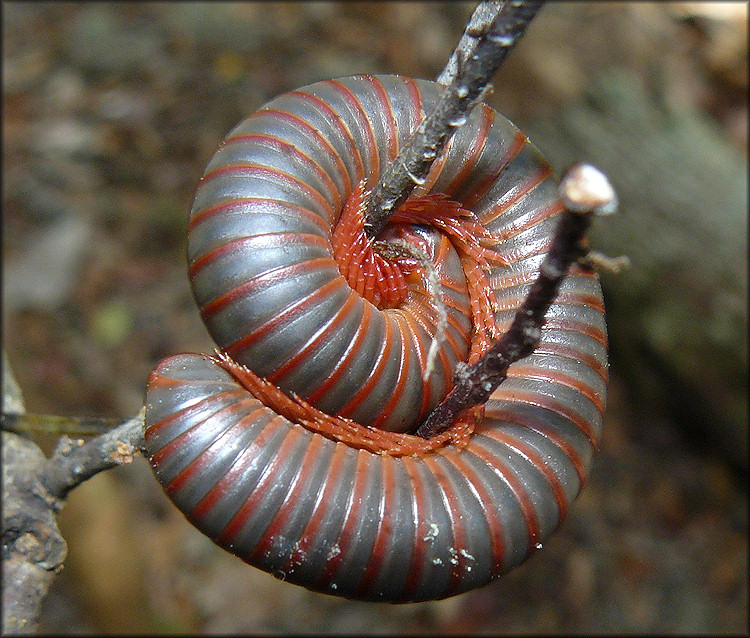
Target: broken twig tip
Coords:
[[585, 189]]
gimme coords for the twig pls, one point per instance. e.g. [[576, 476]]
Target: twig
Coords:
[[56, 424], [33, 548], [583, 192], [479, 23], [34, 490], [75, 461], [465, 90]]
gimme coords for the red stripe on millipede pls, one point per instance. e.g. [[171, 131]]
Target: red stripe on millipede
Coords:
[[511, 302], [488, 506], [520, 370], [343, 365], [459, 557], [480, 190], [324, 146], [528, 220], [422, 349], [208, 454], [315, 342], [187, 413], [271, 141], [332, 117], [421, 317], [322, 505], [471, 155], [346, 533], [323, 502], [385, 527], [532, 456], [267, 480], [502, 280], [415, 96], [401, 380], [298, 488], [588, 300], [372, 148], [555, 323], [274, 175], [460, 303], [518, 489], [436, 170], [563, 298], [374, 378], [262, 282], [514, 195], [549, 432], [534, 398], [256, 242], [516, 252], [391, 129], [420, 523], [227, 483], [288, 314], [559, 350], [247, 205]]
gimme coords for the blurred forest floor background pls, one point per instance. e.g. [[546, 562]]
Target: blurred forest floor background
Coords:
[[110, 114]]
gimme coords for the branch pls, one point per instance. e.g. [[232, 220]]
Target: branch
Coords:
[[75, 461], [583, 192], [33, 548], [34, 490], [493, 43], [18, 422], [479, 24]]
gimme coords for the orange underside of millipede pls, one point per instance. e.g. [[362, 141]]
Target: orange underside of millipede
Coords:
[[383, 281]]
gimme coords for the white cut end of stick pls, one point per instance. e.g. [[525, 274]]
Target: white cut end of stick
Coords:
[[585, 189]]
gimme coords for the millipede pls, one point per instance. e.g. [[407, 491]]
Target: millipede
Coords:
[[293, 446]]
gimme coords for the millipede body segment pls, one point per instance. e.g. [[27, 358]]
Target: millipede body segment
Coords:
[[293, 448]]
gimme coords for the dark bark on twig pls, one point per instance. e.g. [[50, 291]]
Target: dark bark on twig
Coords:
[[479, 23], [581, 198], [465, 90], [34, 490], [33, 549], [75, 461]]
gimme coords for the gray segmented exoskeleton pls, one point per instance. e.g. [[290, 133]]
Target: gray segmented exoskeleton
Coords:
[[319, 512]]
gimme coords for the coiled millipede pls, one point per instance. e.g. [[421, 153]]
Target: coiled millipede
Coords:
[[298, 299]]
